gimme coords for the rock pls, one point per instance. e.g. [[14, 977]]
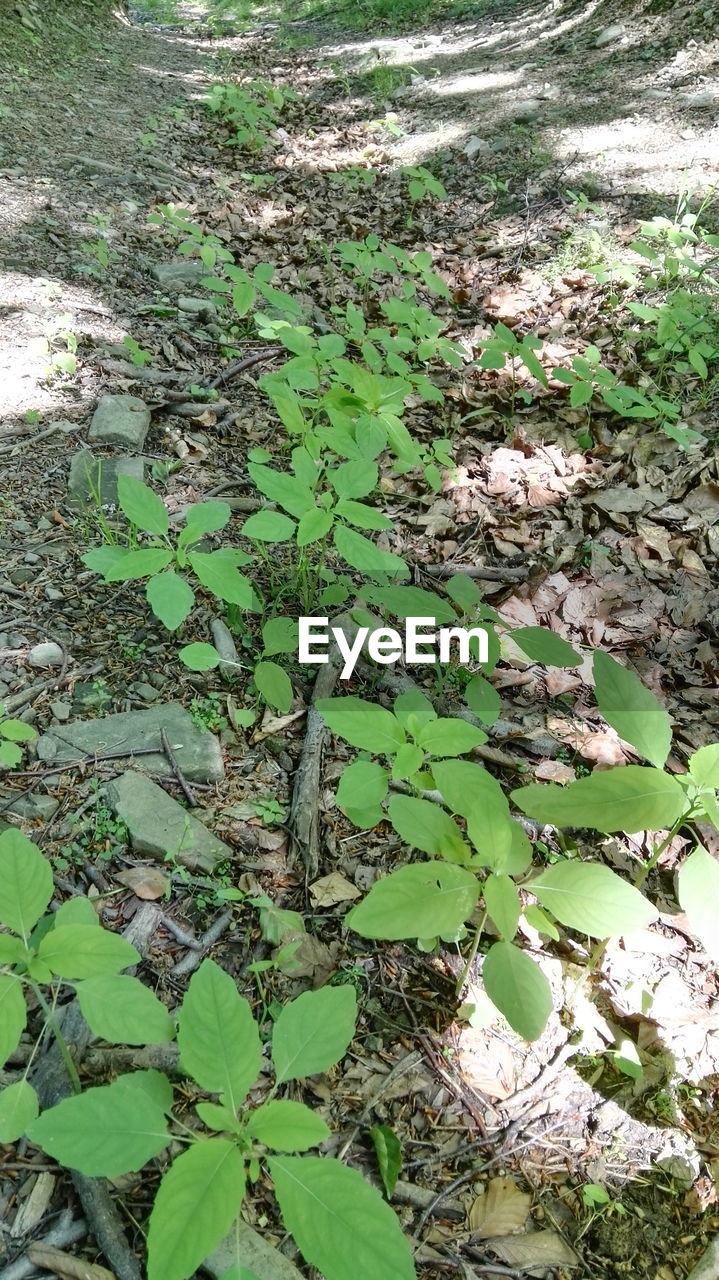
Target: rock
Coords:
[[477, 147], [528, 110], [196, 750], [160, 827], [699, 101], [177, 275], [94, 478], [609, 35], [145, 691], [197, 306], [61, 711], [45, 655], [121, 420], [225, 646], [258, 1256], [34, 805]]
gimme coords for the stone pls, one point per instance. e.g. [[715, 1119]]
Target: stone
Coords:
[[145, 691], [609, 35], [475, 146], [177, 275], [61, 711], [48, 654], [34, 805], [159, 827], [93, 479], [196, 751], [197, 306], [225, 646], [528, 110], [123, 420], [699, 101]]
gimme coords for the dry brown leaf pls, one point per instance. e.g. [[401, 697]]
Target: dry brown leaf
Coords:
[[331, 889], [535, 1247], [66, 1265], [554, 771], [487, 1063], [501, 1211], [146, 882]]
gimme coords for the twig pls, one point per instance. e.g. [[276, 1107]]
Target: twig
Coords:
[[67, 1230], [232, 370], [191, 961], [186, 788], [411, 1059], [45, 686], [492, 573]]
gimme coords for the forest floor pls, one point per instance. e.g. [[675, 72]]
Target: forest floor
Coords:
[[555, 129]]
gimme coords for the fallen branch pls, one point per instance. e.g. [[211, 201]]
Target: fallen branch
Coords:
[[255, 357], [191, 961], [492, 573]]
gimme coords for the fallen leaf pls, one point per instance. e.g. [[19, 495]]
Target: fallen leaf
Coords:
[[554, 771], [501, 1211], [331, 889], [66, 1265], [146, 882], [534, 1247]]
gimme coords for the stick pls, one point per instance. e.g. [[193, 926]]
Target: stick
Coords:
[[492, 573], [187, 789], [232, 370], [66, 1231], [191, 961]]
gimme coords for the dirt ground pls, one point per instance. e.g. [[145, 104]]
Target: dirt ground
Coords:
[[616, 546]]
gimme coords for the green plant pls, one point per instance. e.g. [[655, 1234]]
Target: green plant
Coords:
[[177, 221], [12, 733], [270, 810], [101, 258], [421, 184], [207, 713], [458, 814], [114, 1129], [138, 355], [252, 109]]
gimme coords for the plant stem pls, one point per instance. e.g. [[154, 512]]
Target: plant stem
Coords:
[[659, 850], [472, 954], [54, 1026]]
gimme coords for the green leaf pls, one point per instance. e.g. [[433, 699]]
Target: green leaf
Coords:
[[592, 899], [633, 798], [482, 698], [361, 554], [170, 598], [363, 724], [490, 829], [274, 685], [199, 657], [698, 892], [389, 1156], [502, 902], [362, 786], [408, 761], [197, 1201], [704, 766], [542, 645], [354, 479], [18, 1108], [17, 731], [202, 518], [313, 1032], [414, 710], [221, 578], [76, 911], [280, 635], [361, 515], [13, 1015], [218, 1118], [286, 490], [74, 951], [243, 297], [426, 826], [341, 1224], [465, 785], [139, 564], [122, 1010], [423, 900], [103, 1132], [314, 525], [284, 1125], [465, 592], [630, 708], [269, 526], [26, 884], [540, 921], [519, 989], [218, 1036], [141, 506], [410, 602], [450, 737]]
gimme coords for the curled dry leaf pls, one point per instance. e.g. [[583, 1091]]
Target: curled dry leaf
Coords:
[[331, 889], [66, 1265], [146, 882], [501, 1211]]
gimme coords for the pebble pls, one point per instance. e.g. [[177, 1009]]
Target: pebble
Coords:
[[145, 691], [609, 35], [48, 654], [477, 147], [61, 711], [52, 593]]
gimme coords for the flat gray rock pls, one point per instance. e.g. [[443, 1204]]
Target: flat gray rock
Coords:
[[123, 420], [174, 277], [159, 827], [609, 35], [196, 751], [93, 479]]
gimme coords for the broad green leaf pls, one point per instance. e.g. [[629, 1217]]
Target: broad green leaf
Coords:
[[12, 949], [13, 1015], [423, 900], [17, 731], [199, 657], [704, 766], [414, 710], [314, 525], [202, 518], [152, 1084], [592, 899], [464, 785], [141, 506], [540, 921], [389, 1156], [313, 1032], [410, 602], [408, 761], [284, 1125], [465, 592], [519, 989], [76, 911], [450, 737], [542, 645], [361, 515], [361, 554], [280, 635], [482, 698], [630, 708], [102, 559], [362, 786], [426, 826], [26, 884], [243, 297], [220, 1119], [122, 1010], [218, 1036], [221, 578], [274, 684], [521, 852], [632, 798], [490, 829], [365, 725], [171, 598], [341, 1224], [287, 490], [269, 526], [502, 902], [74, 951], [139, 564], [197, 1201], [103, 1132], [18, 1108], [354, 479], [698, 891]]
